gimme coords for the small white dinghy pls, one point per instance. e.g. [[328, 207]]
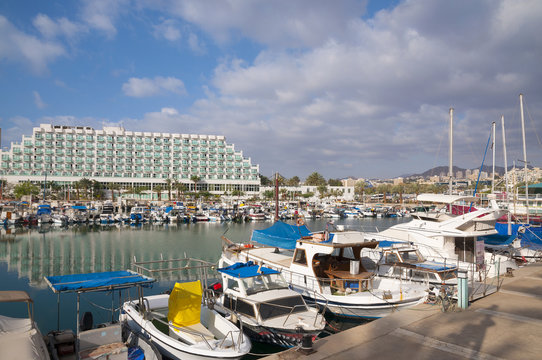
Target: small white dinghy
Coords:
[[192, 330]]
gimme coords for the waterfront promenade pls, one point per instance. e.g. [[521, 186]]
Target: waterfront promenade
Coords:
[[504, 325]]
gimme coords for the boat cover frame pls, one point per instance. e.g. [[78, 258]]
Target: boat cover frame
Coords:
[[102, 281]]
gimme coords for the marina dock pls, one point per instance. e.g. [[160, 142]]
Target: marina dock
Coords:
[[503, 325]]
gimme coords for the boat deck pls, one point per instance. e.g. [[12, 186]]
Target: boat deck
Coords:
[[283, 258]]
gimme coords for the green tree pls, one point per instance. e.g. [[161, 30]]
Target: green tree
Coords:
[[138, 191], [334, 182], [322, 190], [195, 179], [293, 181], [168, 187], [315, 179], [158, 189], [359, 189], [113, 187], [265, 181], [3, 188], [24, 189], [399, 189], [384, 189], [268, 194], [307, 195]]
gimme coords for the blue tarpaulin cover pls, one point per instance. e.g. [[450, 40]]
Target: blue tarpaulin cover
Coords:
[[281, 235], [246, 270], [101, 281], [79, 207], [436, 266], [388, 243]]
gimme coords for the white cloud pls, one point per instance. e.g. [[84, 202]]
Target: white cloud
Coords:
[[15, 46], [279, 23], [51, 29], [381, 93], [40, 104], [167, 29], [102, 14], [196, 45], [144, 87]]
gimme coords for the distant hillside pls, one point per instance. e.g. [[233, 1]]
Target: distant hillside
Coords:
[[499, 170]]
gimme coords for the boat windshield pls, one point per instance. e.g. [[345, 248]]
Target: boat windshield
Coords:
[[411, 256], [282, 306], [261, 283]]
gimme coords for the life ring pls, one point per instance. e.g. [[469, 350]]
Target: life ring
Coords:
[[248, 246], [300, 221]]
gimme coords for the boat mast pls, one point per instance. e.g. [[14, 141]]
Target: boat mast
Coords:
[[524, 156], [493, 146], [506, 177], [450, 171], [276, 196]]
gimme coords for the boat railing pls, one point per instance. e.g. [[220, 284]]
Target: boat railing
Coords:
[[209, 299], [201, 269], [313, 283], [229, 334]]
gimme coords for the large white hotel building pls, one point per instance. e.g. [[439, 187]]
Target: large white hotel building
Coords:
[[66, 154]]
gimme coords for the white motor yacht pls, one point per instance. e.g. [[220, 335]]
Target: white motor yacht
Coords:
[[270, 311]]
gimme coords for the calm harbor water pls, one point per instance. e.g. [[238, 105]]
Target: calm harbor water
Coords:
[[27, 255]]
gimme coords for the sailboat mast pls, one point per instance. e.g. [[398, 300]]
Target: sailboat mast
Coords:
[[276, 196], [506, 176], [524, 156], [493, 146], [451, 135]]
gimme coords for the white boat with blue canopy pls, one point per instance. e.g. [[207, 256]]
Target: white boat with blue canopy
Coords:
[[270, 311], [111, 340], [326, 269]]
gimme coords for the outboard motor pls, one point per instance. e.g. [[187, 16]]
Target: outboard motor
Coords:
[[86, 321]]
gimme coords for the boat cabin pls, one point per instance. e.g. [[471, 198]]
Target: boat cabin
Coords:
[[334, 262], [247, 291], [403, 261]]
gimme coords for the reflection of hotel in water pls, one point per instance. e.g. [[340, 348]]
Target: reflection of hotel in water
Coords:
[[35, 255]]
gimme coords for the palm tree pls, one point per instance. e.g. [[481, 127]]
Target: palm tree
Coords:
[[359, 189], [129, 190], [113, 187], [176, 187], [137, 191], [195, 179], [322, 190], [168, 185], [159, 189]]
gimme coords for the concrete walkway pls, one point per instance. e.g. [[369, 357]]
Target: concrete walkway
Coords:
[[504, 325]]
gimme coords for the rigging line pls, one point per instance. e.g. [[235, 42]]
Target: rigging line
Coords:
[[481, 167]]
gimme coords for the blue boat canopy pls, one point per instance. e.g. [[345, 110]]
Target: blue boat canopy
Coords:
[[102, 281], [281, 235], [246, 270], [389, 243], [79, 207], [436, 266]]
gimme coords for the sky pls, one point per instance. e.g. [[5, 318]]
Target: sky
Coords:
[[343, 88]]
